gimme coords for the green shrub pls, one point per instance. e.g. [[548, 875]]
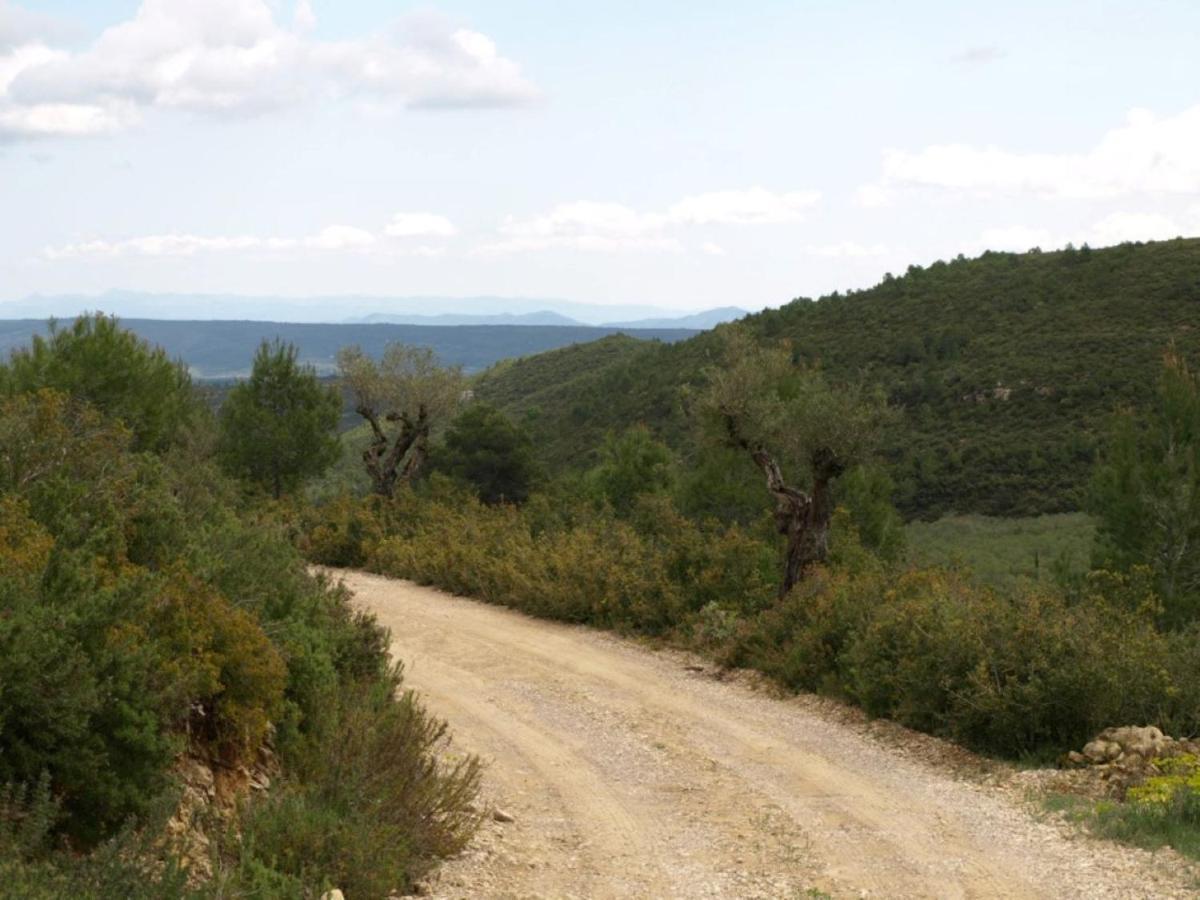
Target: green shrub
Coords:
[[97, 362], [1030, 672], [370, 804]]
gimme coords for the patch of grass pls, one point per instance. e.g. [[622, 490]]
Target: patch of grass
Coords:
[[1164, 812], [1004, 552]]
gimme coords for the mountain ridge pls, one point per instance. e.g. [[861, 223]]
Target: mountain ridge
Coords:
[[349, 309], [223, 349]]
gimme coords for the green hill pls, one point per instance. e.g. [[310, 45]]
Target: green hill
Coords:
[[1006, 367]]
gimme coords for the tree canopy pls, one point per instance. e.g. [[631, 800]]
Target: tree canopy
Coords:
[[799, 431], [483, 448], [278, 428], [97, 361], [1146, 491], [1007, 368]]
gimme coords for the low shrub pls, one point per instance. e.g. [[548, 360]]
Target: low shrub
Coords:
[[369, 806], [1033, 670]]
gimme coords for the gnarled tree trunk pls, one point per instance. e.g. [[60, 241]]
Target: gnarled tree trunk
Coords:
[[801, 517], [384, 457]]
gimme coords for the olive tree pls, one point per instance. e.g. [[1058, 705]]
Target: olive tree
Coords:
[[788, 419], [403, 397]]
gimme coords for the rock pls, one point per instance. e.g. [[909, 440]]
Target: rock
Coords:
[[1075, 758], [499, 815], [1100, 750], [1131, 760], [1146, 741], [335, 894]]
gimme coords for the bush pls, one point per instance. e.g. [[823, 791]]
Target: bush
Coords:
[[485, 450], [1026, 673], [96, 362], [370, 805]]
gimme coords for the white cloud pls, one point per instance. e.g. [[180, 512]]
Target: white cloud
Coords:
[[847, 249], [341, 237], [73, 119], [20, 26], [756, 206], [713, 249], [1115, 228], [588, 243], [419, 224], [1147, 154], [979, 55], [330, 238], [1119, 227], [609, 227], [584, 217], [233, 57], [304, 19], [874, 196]]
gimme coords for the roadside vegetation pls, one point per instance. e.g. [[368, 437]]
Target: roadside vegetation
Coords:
[[152, 613], [1021, 666]]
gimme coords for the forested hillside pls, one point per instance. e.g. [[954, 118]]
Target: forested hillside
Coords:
[[1006, 368]]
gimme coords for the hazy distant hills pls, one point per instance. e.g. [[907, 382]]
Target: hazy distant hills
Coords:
[[223, 349], [544, 317], [357, 309], [700, 321]]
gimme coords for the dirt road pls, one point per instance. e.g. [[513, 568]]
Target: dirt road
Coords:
[[633, 773]]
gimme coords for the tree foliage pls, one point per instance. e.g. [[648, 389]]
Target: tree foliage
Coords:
[[278, 428], [145, 614], [631, 465], [1146, 492], [483, 448], [96, 361], [788, 418], [404, 397]]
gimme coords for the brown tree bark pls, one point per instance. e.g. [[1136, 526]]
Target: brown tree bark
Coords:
[[383, 456], [801, 517]]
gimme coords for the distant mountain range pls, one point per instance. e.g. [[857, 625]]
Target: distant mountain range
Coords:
[[224, 349], [702, 320], [357, 309]]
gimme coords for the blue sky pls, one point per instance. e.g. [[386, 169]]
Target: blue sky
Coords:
[[679, 154]]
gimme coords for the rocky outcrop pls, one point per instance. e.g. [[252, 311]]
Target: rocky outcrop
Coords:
[[211, 795], [1126, 756]]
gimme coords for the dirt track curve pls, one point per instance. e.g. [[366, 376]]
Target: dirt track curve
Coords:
[[634, 773]]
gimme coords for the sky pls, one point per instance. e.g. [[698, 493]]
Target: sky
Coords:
[[679, 154]]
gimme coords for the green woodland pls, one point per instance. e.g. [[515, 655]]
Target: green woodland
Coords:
[[967, 500], [1006, 367]]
